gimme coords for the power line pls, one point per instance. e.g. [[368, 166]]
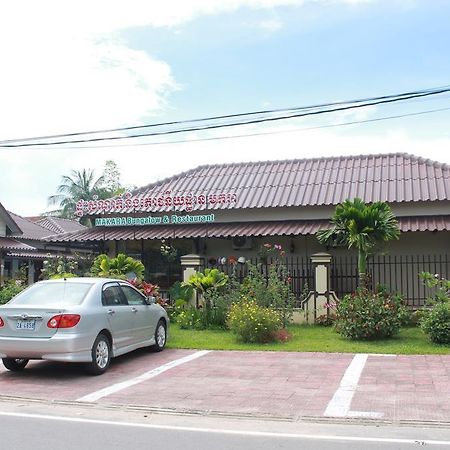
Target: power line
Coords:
[[380, 100], [267, 111], [265, 133]]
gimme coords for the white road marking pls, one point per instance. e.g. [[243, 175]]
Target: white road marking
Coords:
[[227, 431], [94, 396], [339, 405]]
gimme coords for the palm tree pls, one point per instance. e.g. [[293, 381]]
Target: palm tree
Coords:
[[80, 185], [363, 227]]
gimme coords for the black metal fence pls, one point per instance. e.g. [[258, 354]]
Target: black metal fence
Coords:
[[398, 273], [299, 269]]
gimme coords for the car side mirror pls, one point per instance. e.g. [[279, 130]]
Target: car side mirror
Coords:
[[151, 300]]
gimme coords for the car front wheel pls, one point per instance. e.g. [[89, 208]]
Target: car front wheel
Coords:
[[101, 356], [15, 364], [160, 337]]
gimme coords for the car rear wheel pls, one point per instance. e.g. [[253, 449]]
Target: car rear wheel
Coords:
[[101, 356], [15, 364], [160, 337]]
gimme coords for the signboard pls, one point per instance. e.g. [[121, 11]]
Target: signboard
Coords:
[[159, 202], [152, 220]]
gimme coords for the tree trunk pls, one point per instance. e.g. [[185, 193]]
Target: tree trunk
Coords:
[[362, 270]]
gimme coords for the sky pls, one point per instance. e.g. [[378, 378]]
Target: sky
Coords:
[[81, 65]]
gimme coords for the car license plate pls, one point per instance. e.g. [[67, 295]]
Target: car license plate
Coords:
[[26, 325]]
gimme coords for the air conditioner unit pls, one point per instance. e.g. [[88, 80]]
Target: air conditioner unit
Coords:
[[242, 243]]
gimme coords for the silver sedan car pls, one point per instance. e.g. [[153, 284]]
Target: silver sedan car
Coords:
[[86, 320]]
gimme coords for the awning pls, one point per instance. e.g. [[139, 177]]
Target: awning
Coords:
[[425, 223], [7, 243], [218, 230], [36, 255]]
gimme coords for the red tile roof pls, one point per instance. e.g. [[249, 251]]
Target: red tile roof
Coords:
[[46, 226], [397, 177], [7, 243], [280, 228], [30, 230], [59, 225]]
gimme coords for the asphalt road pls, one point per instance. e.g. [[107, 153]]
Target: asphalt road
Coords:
[[21, 431]]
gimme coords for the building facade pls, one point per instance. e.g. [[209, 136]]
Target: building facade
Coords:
[[23, 245], [225, 212]]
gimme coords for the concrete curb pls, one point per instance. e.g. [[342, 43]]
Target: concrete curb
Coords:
[[221, 414]]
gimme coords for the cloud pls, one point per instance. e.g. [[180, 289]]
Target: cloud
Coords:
[[65, 67], [61, 85], [271, 25]]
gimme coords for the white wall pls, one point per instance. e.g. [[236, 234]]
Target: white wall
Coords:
[[311, 212]]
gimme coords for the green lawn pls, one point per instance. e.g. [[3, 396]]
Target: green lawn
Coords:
[[308, 339]]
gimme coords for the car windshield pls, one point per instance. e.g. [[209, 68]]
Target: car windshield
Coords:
[[53, 294]]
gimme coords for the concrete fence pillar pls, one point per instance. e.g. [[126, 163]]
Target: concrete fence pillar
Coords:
[[191, 264], [322, 293]]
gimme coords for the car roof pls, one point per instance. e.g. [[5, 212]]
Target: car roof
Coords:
[[92, 280]]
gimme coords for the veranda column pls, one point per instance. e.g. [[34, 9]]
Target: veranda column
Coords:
[[31, 270], [190, 265]]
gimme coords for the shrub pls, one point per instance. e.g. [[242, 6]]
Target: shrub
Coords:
[[9, 290], [221, 301], [274, 292], [179, 291], [59, 267], [122, 266], [209, 279], [253, 323], [210, 284], [58, 276], [369, 315], [177, 307], [190, 319], [325, 320], [436, 323], [282, 335]]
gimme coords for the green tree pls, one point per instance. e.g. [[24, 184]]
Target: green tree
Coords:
[[361, 226], [119, 267], [111, 179], [79, 185]]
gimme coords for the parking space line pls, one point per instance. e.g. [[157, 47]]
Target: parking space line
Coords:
[[94, 396], [339, 405]]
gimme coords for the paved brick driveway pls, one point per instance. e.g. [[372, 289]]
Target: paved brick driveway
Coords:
[[276, 384]]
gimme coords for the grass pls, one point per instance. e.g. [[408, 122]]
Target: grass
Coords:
[[410, 341]]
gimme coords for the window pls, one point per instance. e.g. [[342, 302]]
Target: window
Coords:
[[133, 297], [112, 296], [62, 294]]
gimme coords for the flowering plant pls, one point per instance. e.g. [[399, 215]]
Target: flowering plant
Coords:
[[149, 290], [268, 250], [253, 323]]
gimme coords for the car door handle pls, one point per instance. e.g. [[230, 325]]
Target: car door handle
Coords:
[[134, 310], [111, 312]]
